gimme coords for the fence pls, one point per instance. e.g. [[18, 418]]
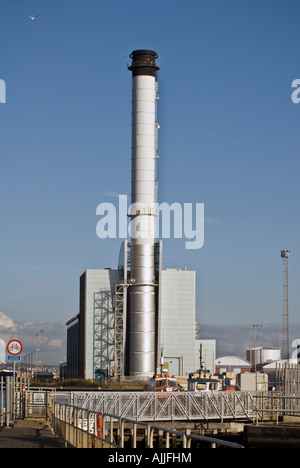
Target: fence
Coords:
[[12, 403], [273, 406], [36, 404], [5, 400], [287, 380], [83, 428]]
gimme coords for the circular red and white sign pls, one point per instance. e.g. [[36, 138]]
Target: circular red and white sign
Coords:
[[14, 347]]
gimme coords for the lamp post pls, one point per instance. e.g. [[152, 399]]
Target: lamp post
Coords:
[[42, 353], [286, 338], [255, 326]]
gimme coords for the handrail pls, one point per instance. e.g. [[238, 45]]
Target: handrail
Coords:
[[213, 441], [59, 409], [156, 406]]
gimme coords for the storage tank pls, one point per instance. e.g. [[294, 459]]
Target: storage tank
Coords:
[[261, 355]]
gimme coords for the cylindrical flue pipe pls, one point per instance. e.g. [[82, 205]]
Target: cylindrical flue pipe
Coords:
[[142, 315]]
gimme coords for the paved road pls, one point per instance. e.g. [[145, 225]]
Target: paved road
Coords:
[[29, 434]]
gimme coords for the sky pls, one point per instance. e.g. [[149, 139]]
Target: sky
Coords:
[[228, 138]]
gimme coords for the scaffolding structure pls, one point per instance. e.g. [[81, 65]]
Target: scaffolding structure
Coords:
[[120, 306], [103, 334]]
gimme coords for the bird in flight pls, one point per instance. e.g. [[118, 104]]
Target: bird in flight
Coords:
[[33, 17]]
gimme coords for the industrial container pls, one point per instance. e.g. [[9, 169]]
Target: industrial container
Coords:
[[252, 381]]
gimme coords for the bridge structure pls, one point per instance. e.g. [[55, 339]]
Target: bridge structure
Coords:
[[112, 418], [173, 406]]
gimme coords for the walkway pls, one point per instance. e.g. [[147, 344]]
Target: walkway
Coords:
[[29, 434]]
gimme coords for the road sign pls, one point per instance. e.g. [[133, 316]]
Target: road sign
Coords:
[[13, 358], [14, 347]]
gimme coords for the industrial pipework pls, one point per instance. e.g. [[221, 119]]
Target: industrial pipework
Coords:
[[142, 309]]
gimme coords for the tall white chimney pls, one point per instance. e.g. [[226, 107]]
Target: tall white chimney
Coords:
[[142, 310]]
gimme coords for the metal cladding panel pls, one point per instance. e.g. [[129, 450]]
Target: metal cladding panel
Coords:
[[142, 333], [143, 187], [178, 315], [145, 164], [141, 152], [140, 117], [143, 321], [142, 230], [143, 363], [143, 110], [143, 264], [144, 308]]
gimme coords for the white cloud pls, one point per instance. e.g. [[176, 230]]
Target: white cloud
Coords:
[[6, 322], [2, 350], [235, 339], [52, 340], [55, 343]]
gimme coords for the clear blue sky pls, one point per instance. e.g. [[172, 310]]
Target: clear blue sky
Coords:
[[229, 138]]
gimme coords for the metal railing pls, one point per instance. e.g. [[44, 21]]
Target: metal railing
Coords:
[[272, 406], [100, 421], [156, 406], [84, 428]]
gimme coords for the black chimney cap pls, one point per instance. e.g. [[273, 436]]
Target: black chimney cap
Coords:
[[143, 62]]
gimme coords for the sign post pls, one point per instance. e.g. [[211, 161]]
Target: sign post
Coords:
[[14, 348]]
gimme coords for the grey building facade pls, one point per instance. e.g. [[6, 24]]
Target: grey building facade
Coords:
[[92, 334]]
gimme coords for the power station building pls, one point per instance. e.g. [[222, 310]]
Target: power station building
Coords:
[[95, 335], [137, 318]]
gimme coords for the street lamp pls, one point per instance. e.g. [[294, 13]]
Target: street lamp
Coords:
[[42, 354], [255, 326]]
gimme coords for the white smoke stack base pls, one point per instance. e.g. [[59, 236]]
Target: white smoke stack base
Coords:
[[142, 313]]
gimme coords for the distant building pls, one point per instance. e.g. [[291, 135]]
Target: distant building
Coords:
[[280, 364], [63, 371], [72, 368], [232, 364], [96, 322], [44, 376]]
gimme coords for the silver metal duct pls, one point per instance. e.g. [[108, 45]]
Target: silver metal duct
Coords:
[[142, 314]]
